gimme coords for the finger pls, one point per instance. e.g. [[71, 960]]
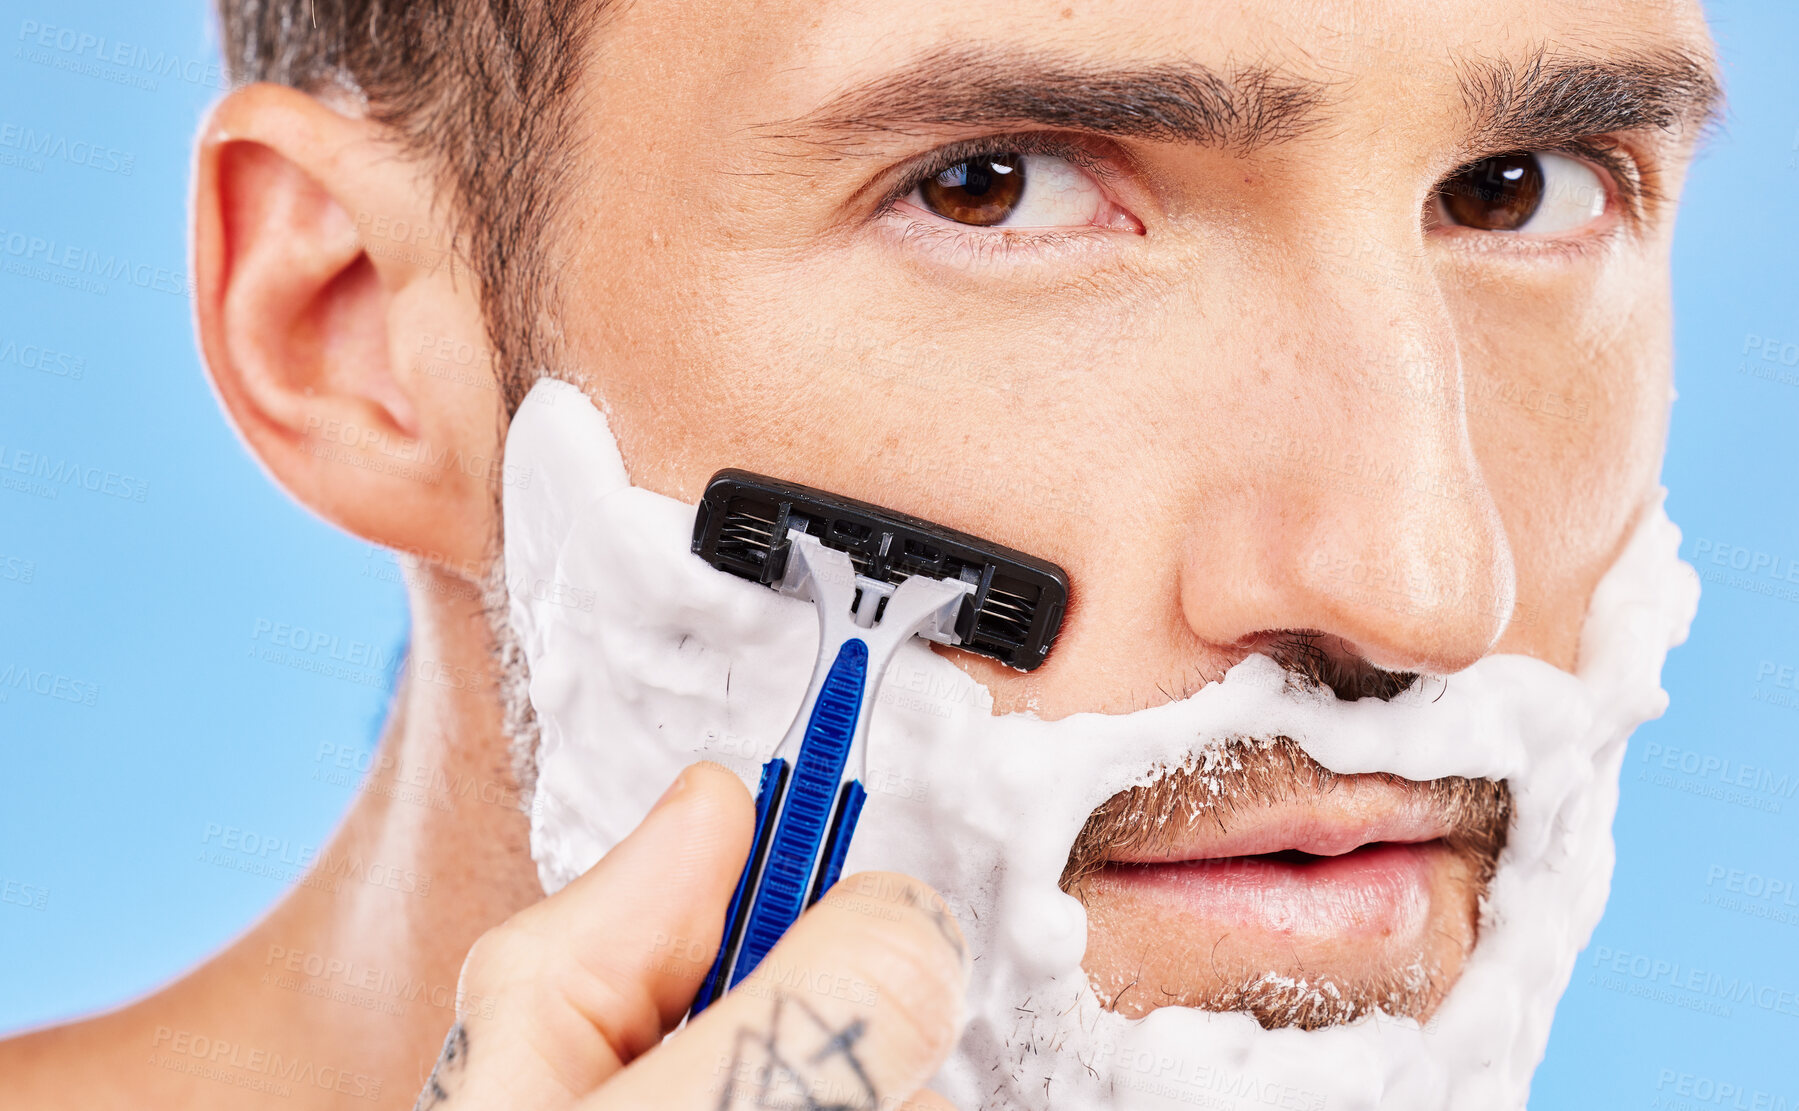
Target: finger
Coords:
[[567, 991], [927, 1100], [856, 1007]]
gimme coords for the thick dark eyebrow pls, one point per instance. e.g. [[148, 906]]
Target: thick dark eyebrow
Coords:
[[1540, 101], [1551, 99], [984, 88]]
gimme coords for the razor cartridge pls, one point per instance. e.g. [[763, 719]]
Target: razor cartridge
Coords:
[[877, 579]]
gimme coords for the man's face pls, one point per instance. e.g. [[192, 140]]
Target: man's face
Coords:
[[1337, 331]]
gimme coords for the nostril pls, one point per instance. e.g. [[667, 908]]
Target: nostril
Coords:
[[1317, 659]]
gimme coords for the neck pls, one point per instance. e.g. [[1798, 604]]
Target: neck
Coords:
[[349, 984]]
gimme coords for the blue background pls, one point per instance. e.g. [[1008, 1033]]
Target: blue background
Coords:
[[149, 616]]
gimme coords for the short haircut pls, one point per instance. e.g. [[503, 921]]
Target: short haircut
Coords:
[[478, 90]]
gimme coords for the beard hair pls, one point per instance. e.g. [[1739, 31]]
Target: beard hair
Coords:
[[1214, 785], [1276, 1000], [511, 668]]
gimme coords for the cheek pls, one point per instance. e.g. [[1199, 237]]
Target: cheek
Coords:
[[1568, 386], [973, 408]]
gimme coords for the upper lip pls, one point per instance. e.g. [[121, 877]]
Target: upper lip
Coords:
[[1353, 812]]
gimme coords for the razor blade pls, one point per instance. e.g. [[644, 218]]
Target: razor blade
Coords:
[[876, 579]]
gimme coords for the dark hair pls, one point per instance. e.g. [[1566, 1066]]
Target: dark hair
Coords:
[[477, 89]]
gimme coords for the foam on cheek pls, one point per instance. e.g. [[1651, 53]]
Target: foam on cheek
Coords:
[[676, 662]]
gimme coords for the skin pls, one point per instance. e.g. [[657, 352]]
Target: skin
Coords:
[[1192, 420]]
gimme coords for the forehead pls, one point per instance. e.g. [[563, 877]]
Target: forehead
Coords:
[[810, 48]]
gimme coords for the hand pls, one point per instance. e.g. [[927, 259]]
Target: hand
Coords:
[[855, 1008]]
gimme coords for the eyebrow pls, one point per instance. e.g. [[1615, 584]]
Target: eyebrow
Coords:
[[1551, 99], [963, 88], [1545, 99]]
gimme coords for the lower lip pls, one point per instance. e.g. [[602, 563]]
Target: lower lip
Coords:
[[1375, 891]]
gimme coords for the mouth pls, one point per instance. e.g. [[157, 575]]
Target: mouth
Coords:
[[1355, 861], [1377, 891], [1311, 904]]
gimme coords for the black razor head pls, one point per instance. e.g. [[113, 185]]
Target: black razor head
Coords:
[[1013, 615]]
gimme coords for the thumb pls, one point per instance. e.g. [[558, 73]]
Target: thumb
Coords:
[[569, 990]]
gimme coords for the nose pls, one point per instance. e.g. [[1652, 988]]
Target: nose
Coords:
[[1357, 508]]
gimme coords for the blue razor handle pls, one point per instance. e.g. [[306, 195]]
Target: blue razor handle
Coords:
[[811, 792]]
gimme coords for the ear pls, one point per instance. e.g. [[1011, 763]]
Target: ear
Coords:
[[337, 332]]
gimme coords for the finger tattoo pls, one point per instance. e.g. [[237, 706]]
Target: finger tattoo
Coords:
[[446, 1075], [798, 1062]]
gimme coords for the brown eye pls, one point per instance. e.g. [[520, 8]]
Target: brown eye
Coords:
[[980, 191], [1500, 193]]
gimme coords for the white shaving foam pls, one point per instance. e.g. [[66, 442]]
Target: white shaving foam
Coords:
[[676, 662]]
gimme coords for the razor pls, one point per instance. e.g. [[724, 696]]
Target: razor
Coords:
[[877, 578]]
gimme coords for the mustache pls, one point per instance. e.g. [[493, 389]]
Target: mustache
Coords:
[[1253, 772], [1314, 659]]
